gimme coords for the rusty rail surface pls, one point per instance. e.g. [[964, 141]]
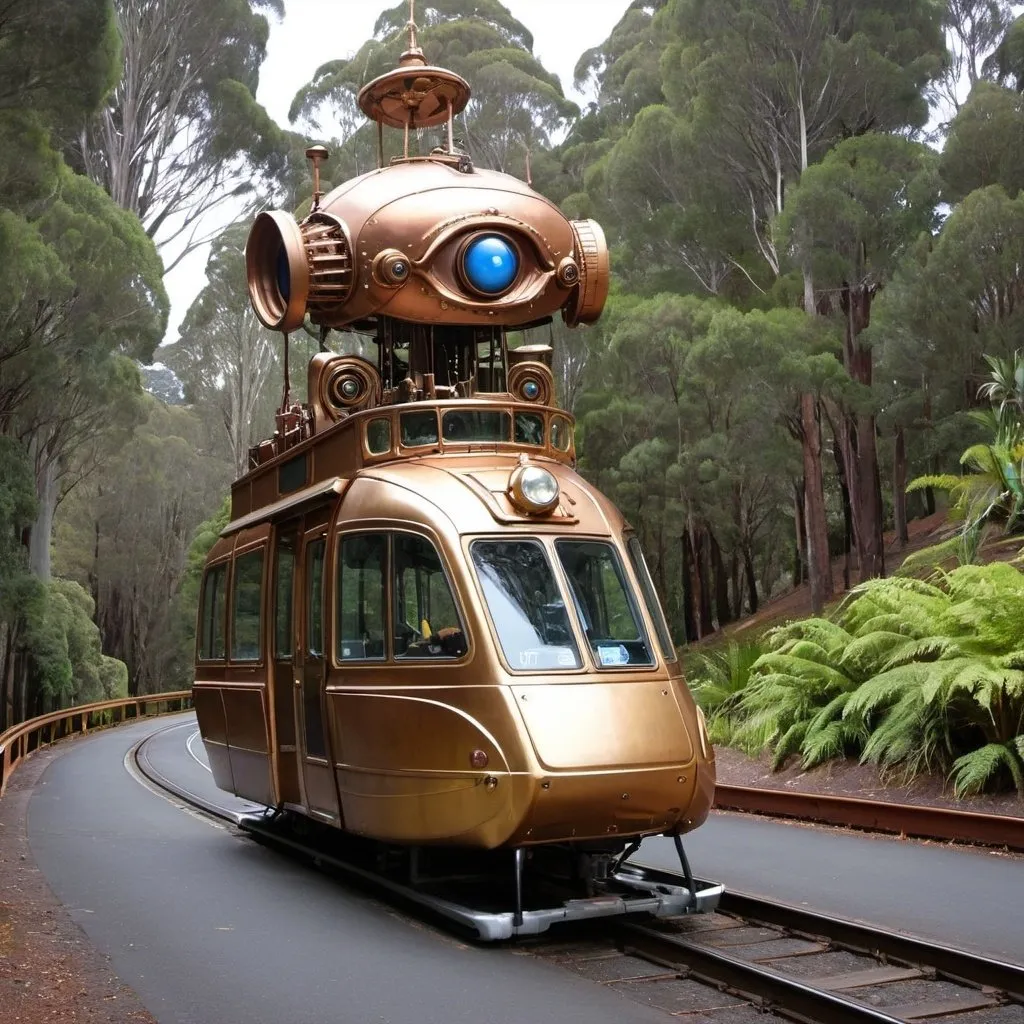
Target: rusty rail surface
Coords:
[[21, 740], [925, 822]]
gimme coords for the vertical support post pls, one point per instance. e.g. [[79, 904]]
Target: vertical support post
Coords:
[[687, 873], [451, 130], [520, 857], [380, 144]]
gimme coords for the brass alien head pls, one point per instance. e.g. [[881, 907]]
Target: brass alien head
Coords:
[[425, 239]]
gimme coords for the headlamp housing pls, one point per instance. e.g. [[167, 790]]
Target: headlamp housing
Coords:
[[534, 490]]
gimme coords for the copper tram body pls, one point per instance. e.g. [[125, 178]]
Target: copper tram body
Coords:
[[421, 625]]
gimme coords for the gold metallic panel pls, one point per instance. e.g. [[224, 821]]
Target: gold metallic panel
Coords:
[[604, 725]]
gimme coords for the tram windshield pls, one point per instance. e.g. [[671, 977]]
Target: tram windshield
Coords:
[[604, 603], [526, 605]]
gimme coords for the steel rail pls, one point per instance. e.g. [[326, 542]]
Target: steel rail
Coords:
[[947, 961], [763, 986], [22, 739], [926, 822]]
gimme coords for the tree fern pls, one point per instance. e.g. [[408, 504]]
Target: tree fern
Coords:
[[980, 769]]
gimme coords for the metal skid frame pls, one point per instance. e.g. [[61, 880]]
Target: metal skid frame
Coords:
[[628, 889]]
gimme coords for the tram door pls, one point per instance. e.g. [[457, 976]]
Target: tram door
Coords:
[[287, 540], [315, 768]]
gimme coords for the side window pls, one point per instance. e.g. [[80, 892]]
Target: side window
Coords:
[[315, 598], [211, 615], [636, 556], [247, 595], [426, 619], [362, 596], [284, 582]]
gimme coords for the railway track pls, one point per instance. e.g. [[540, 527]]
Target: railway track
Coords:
[[750, 958], [756, 956]]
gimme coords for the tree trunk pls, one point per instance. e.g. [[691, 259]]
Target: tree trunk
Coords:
[[707, 619], [844, 491], [818, 564], [801, 534], [748, 566], [899, 488], [41, 532], [929, 492], [690, 619], [721, 578], [865, 490]]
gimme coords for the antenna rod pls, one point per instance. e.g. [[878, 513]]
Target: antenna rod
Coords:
[[286, 395]]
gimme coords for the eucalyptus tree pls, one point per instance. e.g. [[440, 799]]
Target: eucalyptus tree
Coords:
[[57, 56], [224, 357], [985, 144], [516, 107], [974, 30], [851, 220], [181, 132]]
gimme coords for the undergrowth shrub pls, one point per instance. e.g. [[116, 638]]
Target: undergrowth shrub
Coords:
[[912, 675]]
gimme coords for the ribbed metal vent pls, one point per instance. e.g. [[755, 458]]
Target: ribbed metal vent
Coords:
[[330, 262]]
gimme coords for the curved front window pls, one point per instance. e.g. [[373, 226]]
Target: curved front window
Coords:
[[525, 605], [604, 603]]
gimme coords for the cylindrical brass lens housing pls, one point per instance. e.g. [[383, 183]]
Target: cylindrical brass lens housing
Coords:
[[278, 271]]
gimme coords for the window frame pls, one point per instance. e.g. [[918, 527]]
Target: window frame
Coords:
[[392, 604], [281, 533], [631, 599], [254, 549], [340, 537], [221, 566], [582, 647], [389, 657], [656, 613]]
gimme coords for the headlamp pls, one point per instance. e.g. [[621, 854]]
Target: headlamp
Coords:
[[533, 490]]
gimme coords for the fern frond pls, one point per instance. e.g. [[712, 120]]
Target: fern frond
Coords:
[[940, 482], [884, 690], [789, 743], [981, 769], [835, 740]]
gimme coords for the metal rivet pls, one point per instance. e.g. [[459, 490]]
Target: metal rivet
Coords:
[[625, 796], [490, 782], [444, 305], [682, 778], [545, 785], [664, 693]]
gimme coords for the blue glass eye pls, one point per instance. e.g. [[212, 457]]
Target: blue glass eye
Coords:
[[531, 389], [490, 264], [284, 275]]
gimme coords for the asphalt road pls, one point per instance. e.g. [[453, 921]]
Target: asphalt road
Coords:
[[207, 925]]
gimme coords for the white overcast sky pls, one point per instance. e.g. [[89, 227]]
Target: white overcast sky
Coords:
[[316, 31]]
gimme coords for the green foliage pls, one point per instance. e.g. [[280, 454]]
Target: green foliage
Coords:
[[913, 675], [718, 681], [516, 107]]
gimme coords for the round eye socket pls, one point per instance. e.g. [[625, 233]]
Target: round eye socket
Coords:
[[490, 264]]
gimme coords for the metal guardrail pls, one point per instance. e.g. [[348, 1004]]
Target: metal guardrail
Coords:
[[21, 740]]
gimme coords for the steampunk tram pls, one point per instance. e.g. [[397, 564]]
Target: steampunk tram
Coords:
[[421, 626]]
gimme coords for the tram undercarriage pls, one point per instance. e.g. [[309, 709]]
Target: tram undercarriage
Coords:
[[500, 894]]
